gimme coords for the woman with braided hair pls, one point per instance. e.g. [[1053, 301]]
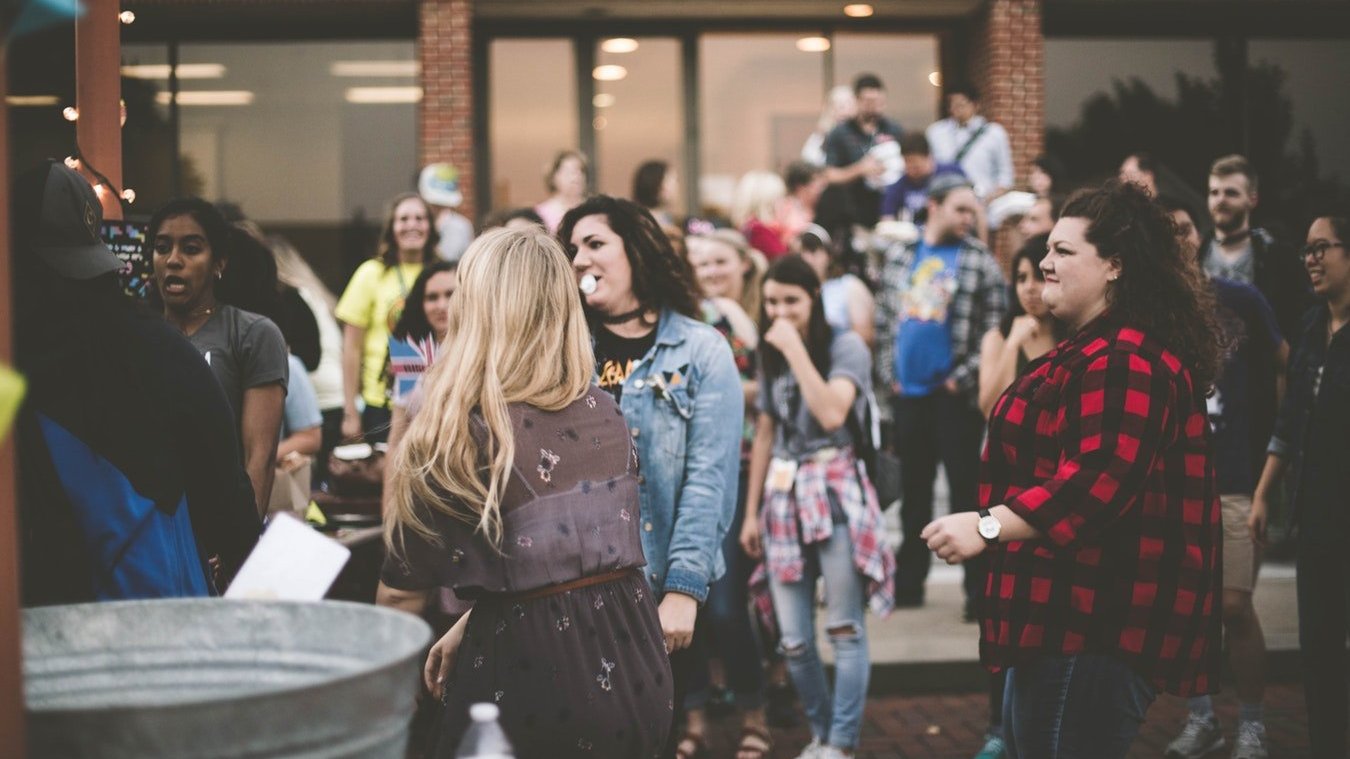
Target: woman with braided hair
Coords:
[[680, 395]]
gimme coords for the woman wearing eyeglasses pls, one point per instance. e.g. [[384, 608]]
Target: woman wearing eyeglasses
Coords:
[[1311, 440]]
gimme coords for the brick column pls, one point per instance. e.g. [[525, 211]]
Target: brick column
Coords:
[[444, 46], [1007, 63]]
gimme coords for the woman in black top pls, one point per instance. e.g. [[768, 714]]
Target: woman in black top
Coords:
[[1312, 433]]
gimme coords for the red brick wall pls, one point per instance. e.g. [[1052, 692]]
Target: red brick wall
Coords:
[[1007, 63], [446, 115]]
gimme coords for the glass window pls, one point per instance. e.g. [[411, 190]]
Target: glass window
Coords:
[[533, 115], [639, 117], [300, 132], [148, 162], [760, 97], [1314, 74], [1078, 69], [904, 64]]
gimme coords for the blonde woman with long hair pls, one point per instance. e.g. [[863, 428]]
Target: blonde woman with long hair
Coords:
[[516, 484]]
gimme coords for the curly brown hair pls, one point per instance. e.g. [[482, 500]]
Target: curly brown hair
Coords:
[[1161, 289], [661, 278]]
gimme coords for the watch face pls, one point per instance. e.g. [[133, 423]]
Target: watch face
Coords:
[[989, 528]]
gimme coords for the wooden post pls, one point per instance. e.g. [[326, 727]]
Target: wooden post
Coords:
[[11, 668], [98, 97]]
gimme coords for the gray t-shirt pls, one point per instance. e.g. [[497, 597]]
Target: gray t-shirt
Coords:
[[244, 350], [797, 431], [1241, 269]]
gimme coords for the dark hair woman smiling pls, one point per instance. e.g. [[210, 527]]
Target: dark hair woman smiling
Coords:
[[1098, 500]]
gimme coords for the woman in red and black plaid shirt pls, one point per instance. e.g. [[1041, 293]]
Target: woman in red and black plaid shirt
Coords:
[[1099, 506]]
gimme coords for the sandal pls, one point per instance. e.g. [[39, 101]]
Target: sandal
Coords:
[[755, 742], [700, 743]]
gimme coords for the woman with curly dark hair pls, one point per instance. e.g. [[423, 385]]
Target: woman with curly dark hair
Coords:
[[680, 395], [1098, 502]]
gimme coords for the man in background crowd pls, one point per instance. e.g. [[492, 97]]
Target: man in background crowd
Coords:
[[1139, 169], [979, 146], [1238, 251], [939, 295], [907, 198], [1242, 417], [858, 151]]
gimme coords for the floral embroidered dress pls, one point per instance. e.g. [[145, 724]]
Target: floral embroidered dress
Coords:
[[581, 673]]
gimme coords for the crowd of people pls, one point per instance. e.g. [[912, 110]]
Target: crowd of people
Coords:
[[627, 452]]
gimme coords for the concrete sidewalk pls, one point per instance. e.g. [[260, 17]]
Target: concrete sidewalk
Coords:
[[928, 698], [930, 649]]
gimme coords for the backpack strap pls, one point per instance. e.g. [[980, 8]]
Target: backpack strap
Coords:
[[970, 143]]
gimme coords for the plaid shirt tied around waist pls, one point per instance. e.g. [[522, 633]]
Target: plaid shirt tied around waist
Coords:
[[802, 517], [1103, 447]]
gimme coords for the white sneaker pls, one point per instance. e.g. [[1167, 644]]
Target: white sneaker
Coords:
[[1251, 741], [812, 750], [1200, 736]]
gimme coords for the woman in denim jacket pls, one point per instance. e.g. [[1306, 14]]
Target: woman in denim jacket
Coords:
[[680, 393], [1311, 435]]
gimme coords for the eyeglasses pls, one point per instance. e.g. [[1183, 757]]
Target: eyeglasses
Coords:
[[1318, 249]]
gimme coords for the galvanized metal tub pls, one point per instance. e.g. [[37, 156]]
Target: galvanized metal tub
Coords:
[[212, 678]]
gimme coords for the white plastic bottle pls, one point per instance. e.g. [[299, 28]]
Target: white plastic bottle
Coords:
[[485, 738]]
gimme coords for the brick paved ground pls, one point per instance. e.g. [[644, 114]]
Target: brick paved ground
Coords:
[[951, 726]]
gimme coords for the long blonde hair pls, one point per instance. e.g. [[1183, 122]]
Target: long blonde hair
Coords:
[[517, 334]]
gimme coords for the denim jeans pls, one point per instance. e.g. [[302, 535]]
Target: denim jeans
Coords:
[[1084, 706], [723, 627], [834, 720]]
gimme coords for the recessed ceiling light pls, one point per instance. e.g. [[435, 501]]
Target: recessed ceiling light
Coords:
[[858, 10], [383, 95], [207, 97], [603, 100], [609, 73], [374, 68], [185, 71], [813, 44], [619, 45]]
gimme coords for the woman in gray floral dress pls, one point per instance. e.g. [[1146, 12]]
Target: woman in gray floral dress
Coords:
[[517, 486]]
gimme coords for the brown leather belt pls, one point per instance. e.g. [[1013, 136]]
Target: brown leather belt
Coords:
[[563, 587]]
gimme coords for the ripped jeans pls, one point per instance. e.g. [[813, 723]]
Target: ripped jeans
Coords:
[[834, 720]]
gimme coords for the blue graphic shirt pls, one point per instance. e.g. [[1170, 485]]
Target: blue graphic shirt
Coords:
[[923, 343]]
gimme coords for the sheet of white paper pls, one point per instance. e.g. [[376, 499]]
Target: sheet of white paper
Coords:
[[292, 562]]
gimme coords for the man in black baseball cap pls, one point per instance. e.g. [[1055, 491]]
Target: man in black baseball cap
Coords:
[[57, 218], [130, 480]]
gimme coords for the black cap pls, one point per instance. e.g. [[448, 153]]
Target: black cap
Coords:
[[65, 232]]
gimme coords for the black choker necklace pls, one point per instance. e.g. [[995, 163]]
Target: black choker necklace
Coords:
[[621, 318]]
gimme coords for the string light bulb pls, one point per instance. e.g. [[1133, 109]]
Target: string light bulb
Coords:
[[127, 17], [72, 163], [129, 195], [70, 113]]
